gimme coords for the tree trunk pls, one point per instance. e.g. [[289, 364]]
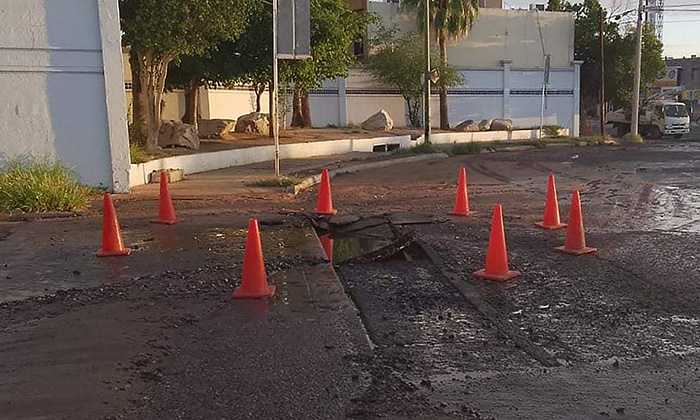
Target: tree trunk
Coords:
[[191, 103], [259, 90], [271, 110], [138, 102], [306, 109], [444, 113], [153, 73], [297, 111]]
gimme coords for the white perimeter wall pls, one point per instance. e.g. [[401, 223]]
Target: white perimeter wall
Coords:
[[503, 92], [62, 88]]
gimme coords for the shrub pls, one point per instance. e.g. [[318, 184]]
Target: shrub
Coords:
[[471, 148], [418, 149], [138, 154], [40, 185], [629, 138], [552, 131]]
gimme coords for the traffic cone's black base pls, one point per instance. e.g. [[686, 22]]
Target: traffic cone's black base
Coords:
[[481, 274], [467, 214], [541, 225], [166, 222], [584, 250], [123, 253], [331, 213]]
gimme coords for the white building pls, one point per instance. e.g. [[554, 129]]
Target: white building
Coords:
[[501, 63], [62, 87]]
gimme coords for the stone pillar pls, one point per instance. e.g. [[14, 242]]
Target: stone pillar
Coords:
[[342, 102], [506, 87], [577, 98]]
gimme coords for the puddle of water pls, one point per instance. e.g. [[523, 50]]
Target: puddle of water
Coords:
[[341, 248], [673, 207]]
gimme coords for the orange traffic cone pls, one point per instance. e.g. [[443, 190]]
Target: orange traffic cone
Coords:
[[462, 199], [254, 283], [497, 256], [551, 208], [324, 206], [575, 241], [166, 211], [112, 243], [327, 244]]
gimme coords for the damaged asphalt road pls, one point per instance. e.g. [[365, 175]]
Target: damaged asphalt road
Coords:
[[397, 327]]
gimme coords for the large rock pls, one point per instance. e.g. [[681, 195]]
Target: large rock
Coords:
[[381, 121], [177, 134], [215, 129], [499, 124], [485, 125], [254, 122], [467, 126]]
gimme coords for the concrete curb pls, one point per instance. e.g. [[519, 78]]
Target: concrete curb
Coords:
[[315, 179]]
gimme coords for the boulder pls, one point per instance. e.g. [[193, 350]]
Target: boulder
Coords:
[[254, 122], [467, 126], [499, 124], [485, 125], [178, 134], [381, 121], [215, 129]]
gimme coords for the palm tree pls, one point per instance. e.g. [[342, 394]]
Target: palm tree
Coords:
[[451, 19]]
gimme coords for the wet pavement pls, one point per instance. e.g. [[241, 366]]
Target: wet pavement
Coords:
[[402, 331]]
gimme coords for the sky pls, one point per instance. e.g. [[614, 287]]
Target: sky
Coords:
[[681, 29]]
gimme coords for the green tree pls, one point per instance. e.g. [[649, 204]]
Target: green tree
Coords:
[[399, 63], [334, 28], [451, 19], [618, 54], [188, 73], [246, 60], [159, 31]]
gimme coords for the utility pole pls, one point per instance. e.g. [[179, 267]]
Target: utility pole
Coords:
[[634, 129], [426, 100], [274, 92], [602, 71]]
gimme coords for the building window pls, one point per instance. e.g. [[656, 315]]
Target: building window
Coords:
[[695, 73]]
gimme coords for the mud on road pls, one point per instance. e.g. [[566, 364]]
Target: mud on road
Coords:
[[402, 334]]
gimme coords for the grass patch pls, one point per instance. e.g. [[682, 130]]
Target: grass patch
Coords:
[[283, 181], [552, 131], [629, 138], [471, 148], [138, 154], [39, 186], [422, 148]]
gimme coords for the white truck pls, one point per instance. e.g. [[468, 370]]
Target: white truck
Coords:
[[657, 118]]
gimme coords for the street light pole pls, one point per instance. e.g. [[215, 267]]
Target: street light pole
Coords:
[[634, 129], [602, 72], [426, 100], [275, 90]]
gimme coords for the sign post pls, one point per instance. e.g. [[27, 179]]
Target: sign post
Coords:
[[545, 82], [291, 40]]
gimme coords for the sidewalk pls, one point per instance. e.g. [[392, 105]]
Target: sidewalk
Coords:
[[237, 180]]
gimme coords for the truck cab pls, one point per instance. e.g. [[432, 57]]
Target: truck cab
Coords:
[[676, 120]]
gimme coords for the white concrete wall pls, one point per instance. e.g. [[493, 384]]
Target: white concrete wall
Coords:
[[62, 87], [202, 162], [231, 104]]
